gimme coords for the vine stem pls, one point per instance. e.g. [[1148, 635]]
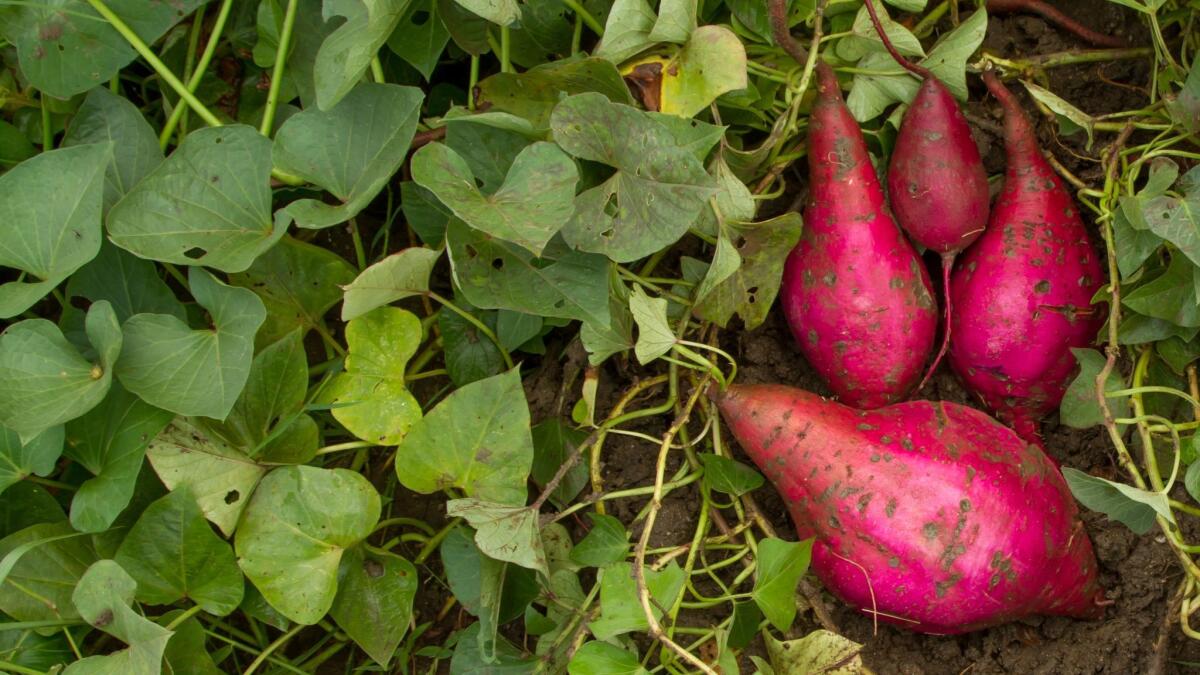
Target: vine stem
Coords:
[[585, 16], [474, 321], [210, 48], [639, 569], [281, 54], [159, 67], [187, 614]]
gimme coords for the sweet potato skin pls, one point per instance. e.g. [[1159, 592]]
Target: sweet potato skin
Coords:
[[1022, 294], [932, 516], [855, 293], [936, 181]]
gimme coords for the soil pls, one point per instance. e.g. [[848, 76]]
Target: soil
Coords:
[[1139, 572]]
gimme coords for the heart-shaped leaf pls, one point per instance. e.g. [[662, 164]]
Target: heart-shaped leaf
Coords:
[[503, 532], [370, 398], [50, 558], [194, 372], [398, 276], [713, 62], [345, 54], [208, 204], [37, 456], [351, 150], [50, 209], [110, 442], [45, 381], [780, 566], [103, 597], [532, 205], [477, 439], [750, 291], [292, 536], [374, 600], [104, 117]]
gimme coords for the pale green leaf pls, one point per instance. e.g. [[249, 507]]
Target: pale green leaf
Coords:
[[172, 553], [820, 651], [398, 276], [208, 204], [750, 291], [1062, 108], [477, 439], [503, 532], [347, 52], [627, 30], [603, 658], [676, 21], [713, 62], [499, 12], [655, 337], [220, 477], [620, 609], [103, 597], [292, 536], [370, 396], [350, 150], [45, 381], [50, 209], [193, 372]]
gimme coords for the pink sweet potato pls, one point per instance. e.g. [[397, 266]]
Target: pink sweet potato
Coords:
[[936, 182], [1023, 291], [855, 293], [930, 516]]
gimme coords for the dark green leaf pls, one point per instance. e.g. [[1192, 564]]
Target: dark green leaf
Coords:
[[424, 213], [603, 658], [1170, 297], [728, 476], [173, 554], [26, 504], [469, 31], [375, 599], [746, 618], [1178, 354], [131, 285], [14, 147], [1135, 508], [420, 37], [105, 117], [534, 93], [1079, 408], [347, 52], [186, 652], [507, 660], [38, 587], [554, 443], [36, 456], [469, 354]]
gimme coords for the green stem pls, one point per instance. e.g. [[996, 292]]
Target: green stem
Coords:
[[585, 15], [159, 67], [52, 483], [411, 522], [435, 541], [927, 22], [351, 445], [47, 130], [251, 650], [7, 667], [472, 80], [281, 54], [198, 74], [271, 648], [474, 321], [377, 70], [189, 59], [187, 614], [33, 625], [360, 254]]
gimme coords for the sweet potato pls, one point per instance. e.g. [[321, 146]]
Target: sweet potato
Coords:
[[1023, 291], [930, 516], [855, 292]]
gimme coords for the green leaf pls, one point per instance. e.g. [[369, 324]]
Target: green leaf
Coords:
[[208, 204], [503, 532], [345, 54], [506, 659], [350, 150], [561, 283], [268, 421], [655, 337], [1170, 296], [477, 439], [374, 604], [780, 566], [871, 92], [66, 48], [865, 40], [43, 563], [468, 30], [499, 12], [1135, 508], [544, 34], [38, 652], [268, 21], [173, 554], [676, 21], [657, 191], [1178, 354], [1177, 219], [371, 398], [110, 442], [131, 285], [728, 476], [420, 37], [534, 93], [514, 329], [104, 117], [1134, 246], [746, 618], [713, 62], [49, 220], [398, 276], [627, 30], [554, 443], [297, 283], [602, 340], [14, 146], [620, 610], [186, 651], [104, 596], [424, 213], [1063, 109], [820, 651], [1079, 408], [750, 291], [44, 381], [948, 58], [1184, 106], [602, 658], [221, 478], [292, 536], [607, 543], [734, 201], [465, 574], [532, 205], [25, 504], [1191, 478], [36, 456], [469, 354], [194, 372]]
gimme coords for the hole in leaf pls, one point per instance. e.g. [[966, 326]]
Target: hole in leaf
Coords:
[[373, 568], [220, 140], [419, 18], [739, 243], [81, 303], [497, 263], [232, 496], [479, 182], [194, 253]]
